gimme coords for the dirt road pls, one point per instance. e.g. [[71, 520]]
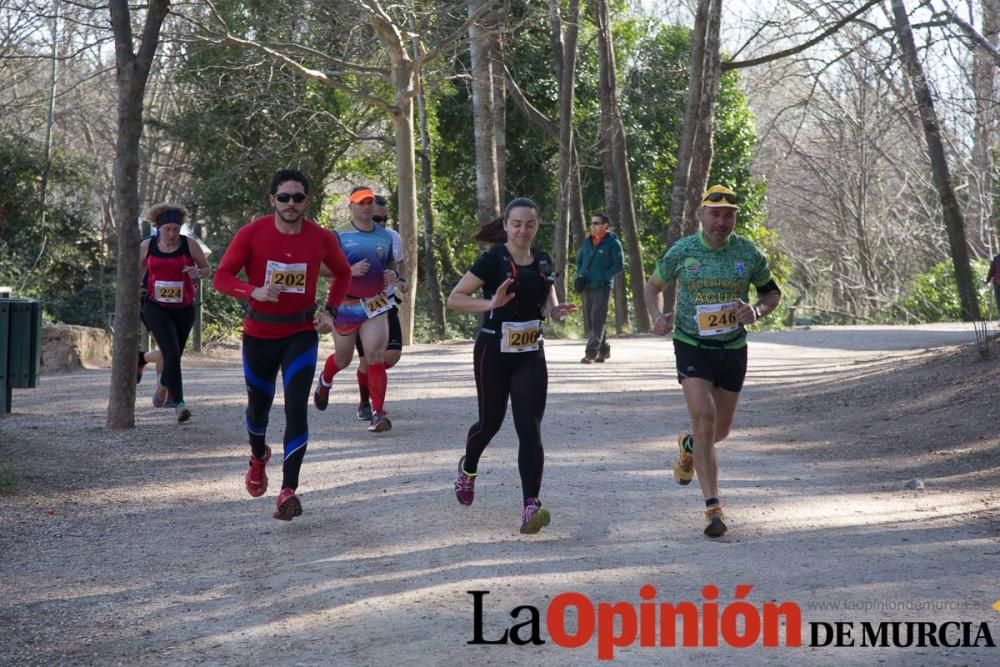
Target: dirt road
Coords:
[[142, 547]]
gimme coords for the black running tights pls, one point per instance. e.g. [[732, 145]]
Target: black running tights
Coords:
[[170, 327], [523, 377]]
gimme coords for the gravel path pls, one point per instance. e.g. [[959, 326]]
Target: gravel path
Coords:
[[142, 547]]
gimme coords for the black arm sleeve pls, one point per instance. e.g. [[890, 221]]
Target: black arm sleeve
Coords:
[[769, 286]]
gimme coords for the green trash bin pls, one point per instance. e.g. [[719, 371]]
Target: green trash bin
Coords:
[[4, 336], [22, 346]]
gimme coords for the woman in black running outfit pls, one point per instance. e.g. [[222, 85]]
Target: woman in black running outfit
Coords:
[[169, 263], [509, 359]]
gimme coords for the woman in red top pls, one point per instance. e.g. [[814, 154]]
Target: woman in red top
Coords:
[[169, 263]]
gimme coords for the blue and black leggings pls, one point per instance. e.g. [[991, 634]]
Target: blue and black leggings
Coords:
[[295, 355]]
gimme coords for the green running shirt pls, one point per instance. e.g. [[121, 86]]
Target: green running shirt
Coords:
[[705, 276]]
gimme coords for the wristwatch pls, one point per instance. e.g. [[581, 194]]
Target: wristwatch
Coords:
[[756, 313]]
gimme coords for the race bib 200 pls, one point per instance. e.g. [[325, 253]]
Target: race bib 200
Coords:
[[520, 336]]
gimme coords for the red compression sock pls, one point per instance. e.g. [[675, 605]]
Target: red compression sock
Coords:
[[330, 368], [377, 382]]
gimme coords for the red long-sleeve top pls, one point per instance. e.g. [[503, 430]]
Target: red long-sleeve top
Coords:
[[268, 256]]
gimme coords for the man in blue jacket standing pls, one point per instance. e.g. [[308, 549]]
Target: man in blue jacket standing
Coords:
[[597, 264]]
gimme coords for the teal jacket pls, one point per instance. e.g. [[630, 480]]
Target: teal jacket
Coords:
[[606, 265]]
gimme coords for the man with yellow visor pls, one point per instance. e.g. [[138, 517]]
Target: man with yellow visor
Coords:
[[713, 269]]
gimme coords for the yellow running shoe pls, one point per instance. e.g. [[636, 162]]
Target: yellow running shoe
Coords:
[[714, 524], [684, 465]]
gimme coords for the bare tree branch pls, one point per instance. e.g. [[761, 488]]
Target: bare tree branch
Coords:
[[228, 38], [739, 64], [530, 110], [974, 35], [458, 35]]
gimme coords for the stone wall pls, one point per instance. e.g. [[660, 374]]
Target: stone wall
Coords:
[[67, 347]]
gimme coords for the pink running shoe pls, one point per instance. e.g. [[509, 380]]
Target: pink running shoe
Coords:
[[465, 484], [535, 517], [256, 477]]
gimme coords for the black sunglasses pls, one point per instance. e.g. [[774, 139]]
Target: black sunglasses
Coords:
[[379, 218], [719, 196], [285, 197]]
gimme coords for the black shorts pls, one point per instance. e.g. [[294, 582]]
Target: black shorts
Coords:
[[724, 368], [395, 334]]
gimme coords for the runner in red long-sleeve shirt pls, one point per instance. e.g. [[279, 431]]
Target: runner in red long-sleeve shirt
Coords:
[[281, 255]]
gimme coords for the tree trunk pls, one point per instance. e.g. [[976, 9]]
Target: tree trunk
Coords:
[[132, 72], [407, 193], [622, 178], [403, 74], [953, 220], [708, 86], [577, 227], [694, 157], [432, 277], [611, 204], [566, 67], [605, 143], [983, 181], [606, 137], [50, 115], [499, 106], [481, 40], [866, 256]]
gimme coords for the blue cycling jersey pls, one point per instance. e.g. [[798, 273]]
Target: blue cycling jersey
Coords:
[[376, 247]]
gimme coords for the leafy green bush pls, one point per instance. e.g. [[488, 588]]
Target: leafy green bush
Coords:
[[49, 246], [221, 316], [933, 296]]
